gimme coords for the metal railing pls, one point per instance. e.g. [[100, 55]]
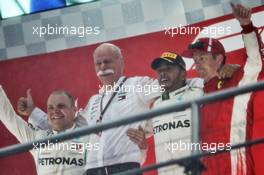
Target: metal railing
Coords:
[[193, 104], [189, 158]]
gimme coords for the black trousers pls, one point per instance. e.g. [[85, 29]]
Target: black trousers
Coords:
[[112, 169]]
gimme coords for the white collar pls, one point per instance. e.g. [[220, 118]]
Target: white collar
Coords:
[[178, 91], [66, 130], [189, 84]]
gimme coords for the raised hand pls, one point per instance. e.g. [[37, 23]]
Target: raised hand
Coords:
[[25, 105], [227, 71], [241, 13]]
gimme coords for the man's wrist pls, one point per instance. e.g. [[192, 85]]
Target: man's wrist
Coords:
[[248, 28], [31, 109]]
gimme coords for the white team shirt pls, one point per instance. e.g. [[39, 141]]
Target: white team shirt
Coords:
[[172, 132], [53, 159], [115, 145]]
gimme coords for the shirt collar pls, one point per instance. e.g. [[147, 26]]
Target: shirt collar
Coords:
[[188, 85], [180, 90], [69, 129]]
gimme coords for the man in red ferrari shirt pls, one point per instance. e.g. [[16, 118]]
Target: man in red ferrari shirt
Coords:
[[228, 121]]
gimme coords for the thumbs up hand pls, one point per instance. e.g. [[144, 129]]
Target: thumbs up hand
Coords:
[[25, 105]]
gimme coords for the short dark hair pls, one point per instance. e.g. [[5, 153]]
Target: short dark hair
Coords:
[[64, 92]]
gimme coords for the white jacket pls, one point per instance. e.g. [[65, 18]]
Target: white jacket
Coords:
[[172, 131], [65, 158]]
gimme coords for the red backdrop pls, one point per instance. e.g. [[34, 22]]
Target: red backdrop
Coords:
[[72, 69]]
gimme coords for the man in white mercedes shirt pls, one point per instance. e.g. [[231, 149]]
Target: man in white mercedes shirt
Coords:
[[173, 129], [65, 158]]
